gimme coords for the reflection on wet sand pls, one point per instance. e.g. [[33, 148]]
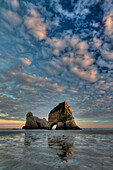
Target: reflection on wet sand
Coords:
[[45, 150], [63, 146], [29, 138]]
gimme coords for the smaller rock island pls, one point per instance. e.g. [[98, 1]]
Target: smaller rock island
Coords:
[[33, 122], [61, 116]]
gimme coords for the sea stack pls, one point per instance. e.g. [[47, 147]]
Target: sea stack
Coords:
[[62, 116], [33, 122]]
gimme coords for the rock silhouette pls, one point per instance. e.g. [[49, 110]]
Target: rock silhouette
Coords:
[[61, 116]]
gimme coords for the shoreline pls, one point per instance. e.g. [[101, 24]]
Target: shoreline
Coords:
[[84, 131]]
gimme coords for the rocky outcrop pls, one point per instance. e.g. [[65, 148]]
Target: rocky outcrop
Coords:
[[62, 116], [33, 122]]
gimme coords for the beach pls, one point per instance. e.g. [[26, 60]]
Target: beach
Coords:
[[56, 149]]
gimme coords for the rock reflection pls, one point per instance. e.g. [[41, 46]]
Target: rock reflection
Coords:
[[63, 146], [29, 138], [35, 144]]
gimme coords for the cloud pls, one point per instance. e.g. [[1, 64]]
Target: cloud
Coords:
[[68, 59], [104, 85], [103, 63], [25, 61], [79, 59], [29, 89], [15, 3], [23, 76], [81, 62], [96, 121], [97, 42], [85, 61], [66, 40], [43, 79], [63, 12], [90, 75], [82, 47], [109, 25], [58, 44], [23, 92], [56, 88], [35, 24], [73, 90], [107, 54], [75, 45], [12, 17], [11, 124]]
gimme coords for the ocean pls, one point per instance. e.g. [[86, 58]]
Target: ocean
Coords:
[[88, 149]]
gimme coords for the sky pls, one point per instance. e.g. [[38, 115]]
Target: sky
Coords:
[[52, 51]]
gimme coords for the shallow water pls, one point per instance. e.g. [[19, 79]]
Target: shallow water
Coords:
[[41, 150]]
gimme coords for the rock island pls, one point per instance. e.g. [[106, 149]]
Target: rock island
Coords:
[[61, 116]]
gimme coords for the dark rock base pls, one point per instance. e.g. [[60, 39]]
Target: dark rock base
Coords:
[[71, 128], [28, 127], [57, 128]]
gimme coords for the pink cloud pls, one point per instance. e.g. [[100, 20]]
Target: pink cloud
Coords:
[[90, 75], [36, 25]]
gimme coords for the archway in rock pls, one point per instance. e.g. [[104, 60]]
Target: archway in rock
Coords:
[[64, 126], [39, 126], [62, 116], [53, 126]]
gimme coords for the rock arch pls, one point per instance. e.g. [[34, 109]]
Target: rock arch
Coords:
[[62, 116], [53, 125]]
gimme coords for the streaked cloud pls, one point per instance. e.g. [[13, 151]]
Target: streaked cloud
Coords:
[[29, 89], [12, 17]]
